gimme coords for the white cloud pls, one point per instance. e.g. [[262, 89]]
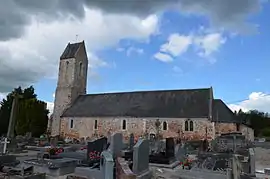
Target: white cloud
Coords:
[[2, 96], [209, 43], [177, 44], [256, 101], [206, 44], [133, 50], [163, 57], [36, 55]]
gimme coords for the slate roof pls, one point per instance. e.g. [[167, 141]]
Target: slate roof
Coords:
[[222, 113], [193, 103], [71, 50]]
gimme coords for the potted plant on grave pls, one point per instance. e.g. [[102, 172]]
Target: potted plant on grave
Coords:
[[186, 163]]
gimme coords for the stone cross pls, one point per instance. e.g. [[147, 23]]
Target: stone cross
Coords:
[[5, 142], [12, 119]]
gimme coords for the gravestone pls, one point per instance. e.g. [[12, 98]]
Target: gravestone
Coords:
[[5, 142], [52, 167], [96, 146], [116, 144], [251, 161], [170, 147], [180, 152], [236, 167], [141, 157], [107, 165], [131, 141]]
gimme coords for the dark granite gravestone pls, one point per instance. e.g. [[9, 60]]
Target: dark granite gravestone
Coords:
[[170, 147], [166, 156], [95, 148]]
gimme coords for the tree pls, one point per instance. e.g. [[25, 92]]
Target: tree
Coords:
[[32, 115], [259, 121]]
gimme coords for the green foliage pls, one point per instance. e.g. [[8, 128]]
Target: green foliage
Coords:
[[259, 121], [265, 132], [31, 116]]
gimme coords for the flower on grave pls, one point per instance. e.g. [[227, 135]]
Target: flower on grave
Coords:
[[94, 155], [83, 148]]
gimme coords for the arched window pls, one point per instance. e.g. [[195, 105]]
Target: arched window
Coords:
[[67, 63], [190, 125], [95, 125], [124, 125], [80, 69], [186, 125], [164, 126], [66, 72]]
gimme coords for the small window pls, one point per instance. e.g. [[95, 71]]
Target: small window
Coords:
[[71, 124], [124, 125], [186, 125], [80, 69], [95, 125], [164, 126], [191, 126], [67, 63]]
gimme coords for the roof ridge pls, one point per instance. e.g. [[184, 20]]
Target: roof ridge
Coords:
[[146, 91]]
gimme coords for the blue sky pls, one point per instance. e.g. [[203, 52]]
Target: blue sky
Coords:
[[126, 55], [241, 67]]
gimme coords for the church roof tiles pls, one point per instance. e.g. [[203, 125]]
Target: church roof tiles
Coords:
[[71, 50], [192, 103], [222, 113]]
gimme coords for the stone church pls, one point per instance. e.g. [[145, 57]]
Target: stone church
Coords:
[[190, 114]]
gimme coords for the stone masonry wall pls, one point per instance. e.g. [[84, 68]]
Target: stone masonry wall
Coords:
[[84, 127], [231, 127]]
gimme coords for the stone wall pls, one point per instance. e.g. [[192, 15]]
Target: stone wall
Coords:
[[85, 127], [247, 131], [231, 127]]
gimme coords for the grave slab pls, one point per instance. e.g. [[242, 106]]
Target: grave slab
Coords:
[[55, 167]]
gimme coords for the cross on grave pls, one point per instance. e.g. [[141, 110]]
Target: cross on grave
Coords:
[[5, 142]]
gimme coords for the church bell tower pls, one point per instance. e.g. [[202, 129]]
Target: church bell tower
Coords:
[[72, 81]]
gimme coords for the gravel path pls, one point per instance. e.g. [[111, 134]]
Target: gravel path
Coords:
[[262, 158]]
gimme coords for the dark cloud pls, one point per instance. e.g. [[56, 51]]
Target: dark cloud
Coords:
[[15, 14]]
